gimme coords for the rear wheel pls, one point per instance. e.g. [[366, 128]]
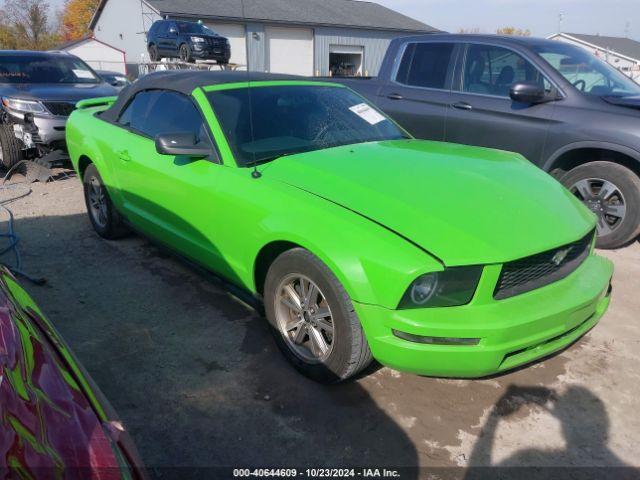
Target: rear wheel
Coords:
[[154, 55], [105, 219], [312, 318], [612, 192], [10, 147], [185, 53]]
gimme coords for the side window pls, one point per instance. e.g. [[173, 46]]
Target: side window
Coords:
[[136, 113], [174, 113], [493, 70], [159, 111], [425, 65], [161, 29]]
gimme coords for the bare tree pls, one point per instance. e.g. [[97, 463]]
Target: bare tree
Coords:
[[8, 40], [29, 20]]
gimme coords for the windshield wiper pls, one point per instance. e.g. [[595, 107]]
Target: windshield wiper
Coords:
[[260, 161]]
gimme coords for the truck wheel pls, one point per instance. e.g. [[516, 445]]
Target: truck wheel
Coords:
[[612, 192], [10, 147], [154, 55], [105, 219], [185, 53], [312, 318]]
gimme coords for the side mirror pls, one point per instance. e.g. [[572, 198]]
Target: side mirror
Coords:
[[525, 92], [184, 144]]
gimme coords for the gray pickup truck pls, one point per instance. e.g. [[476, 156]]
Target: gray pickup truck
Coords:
[[39, 90], [561, 107]]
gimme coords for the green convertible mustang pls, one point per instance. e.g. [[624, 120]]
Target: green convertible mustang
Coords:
[[362, 242]]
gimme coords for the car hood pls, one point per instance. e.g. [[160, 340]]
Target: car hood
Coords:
[[630, 102], [464, 205], [56, 92]]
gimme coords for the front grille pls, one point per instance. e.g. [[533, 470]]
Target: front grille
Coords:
[[62, 109], [534, 272], [217, 42]]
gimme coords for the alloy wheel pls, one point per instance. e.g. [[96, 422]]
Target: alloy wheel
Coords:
[[304, 318], [184, 53], [605, 200], [97, 202]]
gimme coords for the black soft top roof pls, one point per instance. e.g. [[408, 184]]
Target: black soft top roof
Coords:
[[186, 81]]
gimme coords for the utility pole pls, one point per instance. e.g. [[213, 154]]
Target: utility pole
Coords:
[[627, 29], [560, 19]]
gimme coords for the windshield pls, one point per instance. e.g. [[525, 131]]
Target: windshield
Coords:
[[45, 69], [194, 28], [283, 120], [587, 72]]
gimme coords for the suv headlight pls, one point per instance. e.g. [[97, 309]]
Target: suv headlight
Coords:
[[25, 106], [449, 288], [198, 40]]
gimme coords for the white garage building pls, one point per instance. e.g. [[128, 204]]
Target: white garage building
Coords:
[[98, 54], [303, 37], [622, 53]]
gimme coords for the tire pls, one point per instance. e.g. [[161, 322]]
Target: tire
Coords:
[[348, 352], [154, 55], [10, 147], [185, 53], [107, 223], [621, 199]]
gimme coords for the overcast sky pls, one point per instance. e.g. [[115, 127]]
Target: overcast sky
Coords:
[[608, 17]]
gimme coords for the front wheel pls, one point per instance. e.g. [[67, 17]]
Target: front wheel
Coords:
[[612, 192], [105, 219], [10, 147], [312, 318], [185, 53]]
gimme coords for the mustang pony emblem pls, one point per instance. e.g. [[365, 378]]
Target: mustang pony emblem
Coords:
[[560, 256]]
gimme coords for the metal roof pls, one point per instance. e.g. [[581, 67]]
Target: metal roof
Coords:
[[624, 46], [341, 13]]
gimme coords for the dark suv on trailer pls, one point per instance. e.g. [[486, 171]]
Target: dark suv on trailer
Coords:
[[39, 90], [561, 107], [187, 41]]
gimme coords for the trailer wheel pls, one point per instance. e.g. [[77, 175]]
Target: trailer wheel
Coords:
[[10, 147]]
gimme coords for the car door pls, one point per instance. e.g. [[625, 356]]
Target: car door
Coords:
[[418, 94], [170, 198], [481, 111]]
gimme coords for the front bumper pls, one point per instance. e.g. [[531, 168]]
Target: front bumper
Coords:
[[51, 128], [511, 332], [207, 52]]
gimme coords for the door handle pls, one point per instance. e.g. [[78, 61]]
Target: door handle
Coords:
[[395, 96], [124, 155], [462, 106]]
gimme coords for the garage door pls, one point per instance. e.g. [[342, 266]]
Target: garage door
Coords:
[[290, 50], [237, 39]]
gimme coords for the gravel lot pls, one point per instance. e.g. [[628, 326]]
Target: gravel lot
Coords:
[[199, 382]]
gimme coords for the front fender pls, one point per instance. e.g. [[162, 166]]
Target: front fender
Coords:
[[374, 265]]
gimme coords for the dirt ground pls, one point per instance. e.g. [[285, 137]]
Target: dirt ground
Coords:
[[198, 380]]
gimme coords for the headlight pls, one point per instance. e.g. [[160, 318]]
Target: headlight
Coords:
[[26, 106], [449, 288], [197, 40]]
